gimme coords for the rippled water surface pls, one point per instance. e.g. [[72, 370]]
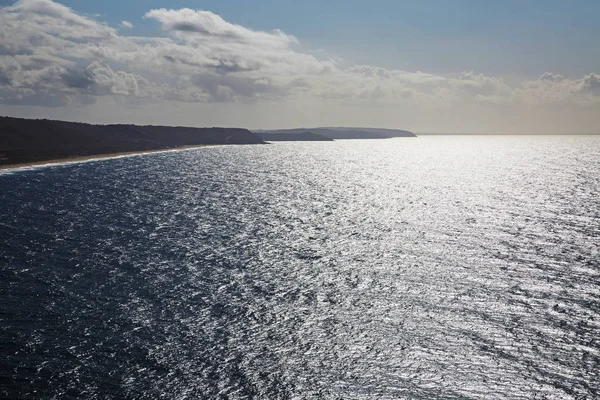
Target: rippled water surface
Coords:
[[428, 268]]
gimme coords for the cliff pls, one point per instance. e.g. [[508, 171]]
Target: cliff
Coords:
[[26, 140]]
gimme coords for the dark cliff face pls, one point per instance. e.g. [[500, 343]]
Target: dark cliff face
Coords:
[[25, 140]]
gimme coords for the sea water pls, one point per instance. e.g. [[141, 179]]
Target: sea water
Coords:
[[462, 267]]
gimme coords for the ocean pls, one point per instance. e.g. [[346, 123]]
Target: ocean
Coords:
[[456, 267]]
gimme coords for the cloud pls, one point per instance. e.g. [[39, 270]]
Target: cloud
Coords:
[[203, 38], [52, 10], [470, 86], [591, 82], [550, 77], [554, 89], [196, 25], [51, 55], [98, 80], [200, 43]]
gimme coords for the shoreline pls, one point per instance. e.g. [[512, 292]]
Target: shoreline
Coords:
[[75, 159]]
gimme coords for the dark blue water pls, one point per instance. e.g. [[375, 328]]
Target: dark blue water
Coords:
[[429, 268]]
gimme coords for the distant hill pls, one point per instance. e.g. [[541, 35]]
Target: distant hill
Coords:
[[344, 133], [380, 131], [27, 140], [293, 137]]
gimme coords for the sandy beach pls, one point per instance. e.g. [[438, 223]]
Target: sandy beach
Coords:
[[99, 156]]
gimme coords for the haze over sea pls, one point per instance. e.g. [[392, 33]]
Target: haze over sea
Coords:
[[459, 267]]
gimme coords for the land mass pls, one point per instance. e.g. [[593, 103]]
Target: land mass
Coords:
[[34, 141], [334, 133], [293, 137], [30, 141]]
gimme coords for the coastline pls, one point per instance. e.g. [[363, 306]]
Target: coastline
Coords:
[[67, 160]]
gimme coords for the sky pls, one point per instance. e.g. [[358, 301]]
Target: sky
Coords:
[[462, 66]]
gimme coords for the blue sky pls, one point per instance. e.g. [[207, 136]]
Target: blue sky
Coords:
[[515, 38], [457, 66]]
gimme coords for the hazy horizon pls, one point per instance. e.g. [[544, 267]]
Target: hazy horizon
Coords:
[[431, 67]]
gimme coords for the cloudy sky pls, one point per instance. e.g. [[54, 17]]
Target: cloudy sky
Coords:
[[467, 66]]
